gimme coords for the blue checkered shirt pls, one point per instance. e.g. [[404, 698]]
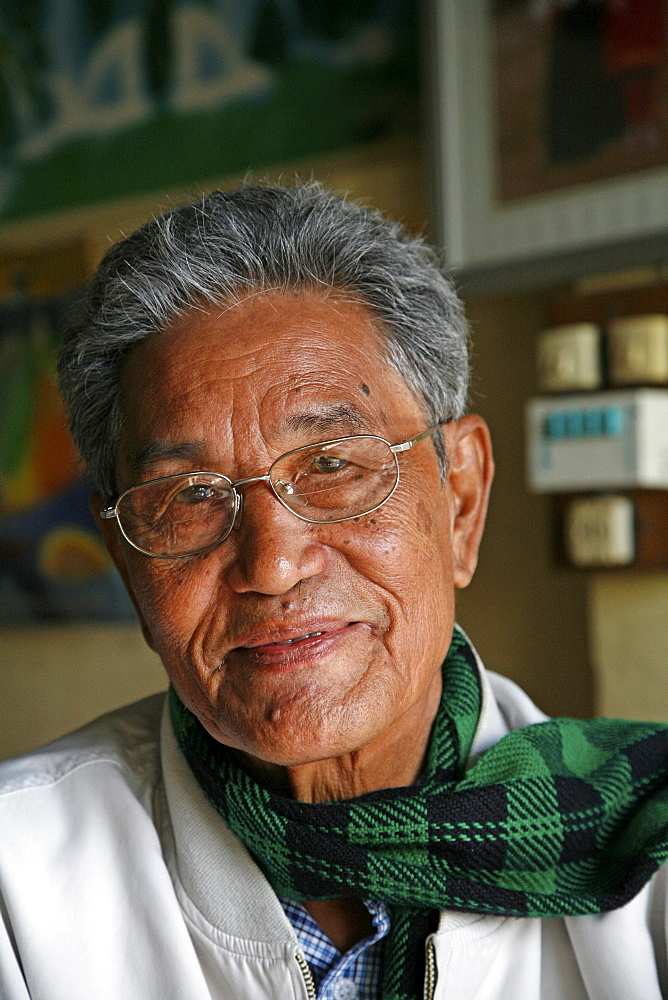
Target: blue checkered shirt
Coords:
[[356, 975]]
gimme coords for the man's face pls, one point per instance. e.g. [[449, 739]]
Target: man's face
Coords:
[[229, 391]]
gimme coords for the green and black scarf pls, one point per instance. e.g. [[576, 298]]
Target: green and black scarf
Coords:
[[562, 818]]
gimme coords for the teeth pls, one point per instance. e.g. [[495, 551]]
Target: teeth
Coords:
[[309, 635]]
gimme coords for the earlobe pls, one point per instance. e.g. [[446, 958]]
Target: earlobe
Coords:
[[470, 474], [114, 543]]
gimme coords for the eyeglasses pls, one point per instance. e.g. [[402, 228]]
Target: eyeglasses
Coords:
[[323, 483]]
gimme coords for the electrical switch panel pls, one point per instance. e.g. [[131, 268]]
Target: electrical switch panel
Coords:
[[598, 441], [611, 530], [597, 437], [600, 531]]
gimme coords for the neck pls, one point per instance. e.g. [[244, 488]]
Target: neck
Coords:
[[345, 920]]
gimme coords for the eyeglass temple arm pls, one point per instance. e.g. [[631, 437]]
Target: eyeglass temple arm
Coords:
[[107, 513], [406, 445]]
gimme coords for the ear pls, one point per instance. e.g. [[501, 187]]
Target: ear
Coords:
[[470, 472], [117, 549]]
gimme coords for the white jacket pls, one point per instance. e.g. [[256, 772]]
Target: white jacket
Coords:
[[119, 881]]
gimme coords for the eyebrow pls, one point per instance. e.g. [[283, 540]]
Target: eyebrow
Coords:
[[154, 452], [341, 417]]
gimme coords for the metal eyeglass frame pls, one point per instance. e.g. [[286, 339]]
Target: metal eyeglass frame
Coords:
[[111, 511]]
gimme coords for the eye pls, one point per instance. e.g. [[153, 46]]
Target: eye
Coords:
[[329, 463], [198, 493]]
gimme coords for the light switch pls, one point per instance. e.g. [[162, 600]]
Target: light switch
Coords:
[[638, 350], [569, 358]]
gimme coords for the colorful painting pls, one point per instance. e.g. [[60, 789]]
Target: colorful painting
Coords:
[[102, 99], [581, 90], [53, 564]]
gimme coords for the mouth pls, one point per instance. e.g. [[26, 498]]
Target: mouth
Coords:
[[293, 642], [296, 650]]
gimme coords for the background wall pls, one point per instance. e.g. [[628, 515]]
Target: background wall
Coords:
[[628, 616], [528, 620], [53, 679]]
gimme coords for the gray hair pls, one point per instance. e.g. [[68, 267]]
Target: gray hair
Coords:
[[256, 238]]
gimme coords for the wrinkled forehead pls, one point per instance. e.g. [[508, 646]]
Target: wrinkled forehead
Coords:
[[306, 327], [289, 368]]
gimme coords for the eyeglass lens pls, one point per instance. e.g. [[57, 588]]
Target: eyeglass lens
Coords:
[[181, 515], [178, 515]]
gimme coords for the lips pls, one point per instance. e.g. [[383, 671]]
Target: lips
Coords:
[[283, 631]]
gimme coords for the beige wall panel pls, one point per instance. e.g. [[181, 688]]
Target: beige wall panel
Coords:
[[629, 632], [53, 679]]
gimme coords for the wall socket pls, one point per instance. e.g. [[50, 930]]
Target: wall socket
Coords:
[[600, 531]]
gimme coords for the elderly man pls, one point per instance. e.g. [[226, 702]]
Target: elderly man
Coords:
[[268, 388]]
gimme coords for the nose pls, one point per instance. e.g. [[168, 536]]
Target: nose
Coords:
[[274, 550]]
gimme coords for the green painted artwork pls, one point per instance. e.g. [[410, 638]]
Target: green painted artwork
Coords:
[[103, 99]]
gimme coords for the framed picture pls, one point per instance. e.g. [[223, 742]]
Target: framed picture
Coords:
[[551, 135], [103, 101]]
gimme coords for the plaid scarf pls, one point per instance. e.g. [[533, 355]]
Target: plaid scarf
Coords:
[[562, 818]]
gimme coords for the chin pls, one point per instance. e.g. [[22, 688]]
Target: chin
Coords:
[[289, 745], [288, 750]]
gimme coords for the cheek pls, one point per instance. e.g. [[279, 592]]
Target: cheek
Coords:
[[408, 553], [173, 598]]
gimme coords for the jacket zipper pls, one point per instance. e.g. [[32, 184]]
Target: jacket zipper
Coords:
[[429, 976], [306, 974], [430, 972]]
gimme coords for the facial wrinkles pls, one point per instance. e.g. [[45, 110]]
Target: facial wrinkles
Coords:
[[387, 608], [408, 515], [384, 532], [222, 628], [222, 624], [274, 393], [246, 433], [327, 695]]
